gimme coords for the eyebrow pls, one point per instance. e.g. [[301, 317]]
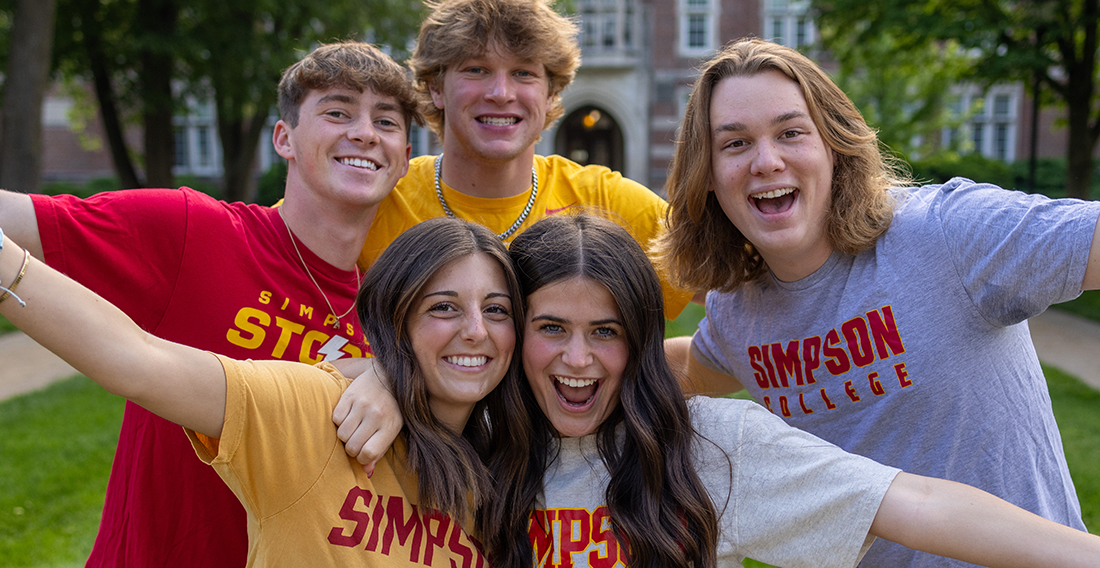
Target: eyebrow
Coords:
[[454, 294], [557, 319], [741, 126], [338, 97]]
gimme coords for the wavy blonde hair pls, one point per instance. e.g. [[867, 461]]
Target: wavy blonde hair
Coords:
[[458, 30], [701, 248]]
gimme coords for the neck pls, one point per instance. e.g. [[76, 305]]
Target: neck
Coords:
[[799, 266], [480, 178], [333, 233]]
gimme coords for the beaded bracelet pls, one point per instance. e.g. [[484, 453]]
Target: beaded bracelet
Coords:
[[10, 291]]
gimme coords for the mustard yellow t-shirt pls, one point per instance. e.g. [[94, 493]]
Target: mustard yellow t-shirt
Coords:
[[308, 503], [564, 186]]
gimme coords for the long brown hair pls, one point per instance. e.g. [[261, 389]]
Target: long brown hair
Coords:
[[449, 466], [701, 248], [657, 502]]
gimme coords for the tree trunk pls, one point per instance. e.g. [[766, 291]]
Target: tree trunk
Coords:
[[105, 96], [240, 141], [158, 18], [27, 79]]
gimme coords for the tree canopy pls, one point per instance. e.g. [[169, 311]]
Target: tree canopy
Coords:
[[144, 58], [1049, 43]]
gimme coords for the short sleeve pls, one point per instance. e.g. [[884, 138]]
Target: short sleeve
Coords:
[[1015, 253], [784, 496]]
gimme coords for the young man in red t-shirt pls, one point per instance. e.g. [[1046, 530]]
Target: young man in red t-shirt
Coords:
[[236, 279]]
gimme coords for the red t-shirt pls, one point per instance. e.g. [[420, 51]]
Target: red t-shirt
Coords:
[[212, 275]]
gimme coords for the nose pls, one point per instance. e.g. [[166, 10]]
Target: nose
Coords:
[[363, 132], [473, 328], [500, 89], [577, 353], [767, 159]]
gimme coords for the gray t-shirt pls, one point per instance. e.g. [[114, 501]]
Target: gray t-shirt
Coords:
[[783, 496], [916, 353]]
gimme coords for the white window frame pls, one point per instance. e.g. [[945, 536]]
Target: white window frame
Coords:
[[786, 16], [982, 109], [603, 19], [705, 10]]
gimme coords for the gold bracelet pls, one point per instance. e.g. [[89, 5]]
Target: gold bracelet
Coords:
[[11, 289]]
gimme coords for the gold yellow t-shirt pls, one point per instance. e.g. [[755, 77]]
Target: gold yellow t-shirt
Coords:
[[564, 186], [308, 503]]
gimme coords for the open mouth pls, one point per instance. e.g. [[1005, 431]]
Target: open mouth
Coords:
[[497, 121], [359, 163], [576, 392], [775, 201]]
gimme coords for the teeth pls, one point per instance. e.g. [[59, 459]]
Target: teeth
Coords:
[[497, 121], [467, 361], [358, 163], [575, 383], [773, 193]]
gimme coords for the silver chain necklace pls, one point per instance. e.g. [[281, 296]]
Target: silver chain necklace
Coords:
[[522, 216], [335, 324]]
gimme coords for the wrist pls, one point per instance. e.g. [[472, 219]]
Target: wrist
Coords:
[[9, 289]]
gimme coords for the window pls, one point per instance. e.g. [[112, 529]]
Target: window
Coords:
[[986, 123], [181, 147], [202, 133], [788, 22], [198, 152], [606, 25], [697, 21]]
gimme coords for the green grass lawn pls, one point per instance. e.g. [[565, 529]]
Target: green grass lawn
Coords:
[[56, 447], [5, 325]]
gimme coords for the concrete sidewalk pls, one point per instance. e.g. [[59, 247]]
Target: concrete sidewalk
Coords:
[[1065, 341]]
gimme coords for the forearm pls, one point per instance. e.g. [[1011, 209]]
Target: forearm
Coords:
[[958, 521], [694, 377], [99, 340]]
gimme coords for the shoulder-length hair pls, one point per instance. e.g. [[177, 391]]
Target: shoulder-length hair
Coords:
[[659, 509], [451, 475], [701, 247], [457, 30]]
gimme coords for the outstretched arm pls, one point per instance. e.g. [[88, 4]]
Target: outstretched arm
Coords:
[[958, 521], [180, 383], [1092, 271], [366, 414], [694, 377], [19, 221]]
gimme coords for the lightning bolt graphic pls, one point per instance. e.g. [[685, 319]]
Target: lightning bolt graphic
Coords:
[[331, 348]]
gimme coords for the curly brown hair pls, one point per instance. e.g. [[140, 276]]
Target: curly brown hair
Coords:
[[701, 248], [458, 30]]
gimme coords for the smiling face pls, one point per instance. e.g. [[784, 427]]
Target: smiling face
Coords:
[[494, 106], [772, 171], [462, 334], [348, 147], [574, 353]]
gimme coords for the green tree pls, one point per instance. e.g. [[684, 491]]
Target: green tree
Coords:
[[144, 57], [905, 100], [1051, 44]]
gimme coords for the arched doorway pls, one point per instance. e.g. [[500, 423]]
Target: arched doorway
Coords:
[[589, 135]]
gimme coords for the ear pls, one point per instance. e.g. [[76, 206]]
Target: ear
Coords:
[[408, 154], [280, 138], [436, 90]]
